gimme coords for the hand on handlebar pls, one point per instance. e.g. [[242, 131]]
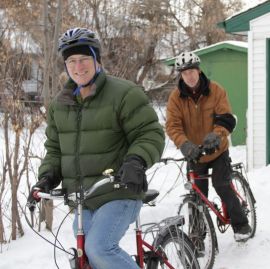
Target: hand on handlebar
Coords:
[[132, 174], [191, 151], [42, 185], [211, 143]]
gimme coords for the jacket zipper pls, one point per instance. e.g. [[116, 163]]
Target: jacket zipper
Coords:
[[78, 140], [197, 109]]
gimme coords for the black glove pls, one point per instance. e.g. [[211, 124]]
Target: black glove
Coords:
[[211, 143], [44, 185], [132, 174], [190, 151]]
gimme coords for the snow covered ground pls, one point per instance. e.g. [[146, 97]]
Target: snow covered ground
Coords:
[[31, 252]]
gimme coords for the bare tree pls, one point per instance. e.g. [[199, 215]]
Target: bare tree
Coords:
[[197, 21], [18, 119], [51, 33], [135, 35]]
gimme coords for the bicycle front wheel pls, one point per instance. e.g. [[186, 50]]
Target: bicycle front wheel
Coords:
[[176, 248], [247, 200], [200, 230]]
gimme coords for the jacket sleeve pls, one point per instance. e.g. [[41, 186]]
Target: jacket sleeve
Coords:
[[51, 164], [139, 121], [222, 107], [174, 122]]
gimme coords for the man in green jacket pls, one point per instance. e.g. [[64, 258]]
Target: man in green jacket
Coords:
[[98, 122]]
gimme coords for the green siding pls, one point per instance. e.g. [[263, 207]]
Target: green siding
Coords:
[[229, 69], [240, 22]]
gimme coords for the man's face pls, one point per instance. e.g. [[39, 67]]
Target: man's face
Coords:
[[191, 77], [81, 68]]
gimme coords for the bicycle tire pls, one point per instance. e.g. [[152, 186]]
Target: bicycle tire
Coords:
[[200, 229], [177, 248], [242, 187]]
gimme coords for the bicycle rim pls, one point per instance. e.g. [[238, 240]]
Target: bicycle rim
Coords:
[[200, 230], [243, 190], [177, 248]]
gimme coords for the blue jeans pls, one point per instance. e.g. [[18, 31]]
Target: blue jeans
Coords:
[[103, 230]]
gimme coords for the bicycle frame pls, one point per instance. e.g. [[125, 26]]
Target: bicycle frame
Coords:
[[140, 243], [140, 251], [222, 216], [79, 259]]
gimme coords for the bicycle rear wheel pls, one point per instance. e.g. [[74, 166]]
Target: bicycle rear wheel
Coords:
[[247, 200], [176, 247], [200, 230]]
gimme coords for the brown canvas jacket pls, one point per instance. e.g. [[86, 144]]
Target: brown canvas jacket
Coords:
[[187, 120]]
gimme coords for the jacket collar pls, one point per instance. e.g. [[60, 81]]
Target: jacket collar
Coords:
[[204, 86], [66, 96]]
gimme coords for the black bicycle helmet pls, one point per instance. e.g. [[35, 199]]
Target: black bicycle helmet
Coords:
[[77, 37], [187, 60], [81, 41]]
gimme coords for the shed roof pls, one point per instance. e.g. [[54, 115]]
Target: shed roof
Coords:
[[229, 44], [239, 23]]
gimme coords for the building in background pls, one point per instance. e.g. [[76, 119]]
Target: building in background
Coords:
[[255, 23]]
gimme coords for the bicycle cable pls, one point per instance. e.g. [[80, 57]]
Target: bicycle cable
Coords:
[[55, 236], [180, 174]]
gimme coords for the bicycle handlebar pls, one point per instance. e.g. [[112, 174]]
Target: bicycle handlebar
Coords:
[[59, 194], [184, 159], [166, 160]]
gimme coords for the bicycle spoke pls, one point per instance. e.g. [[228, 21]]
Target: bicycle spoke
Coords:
[[199, 228]]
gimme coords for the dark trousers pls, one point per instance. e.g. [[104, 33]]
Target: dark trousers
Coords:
[[221, 177]]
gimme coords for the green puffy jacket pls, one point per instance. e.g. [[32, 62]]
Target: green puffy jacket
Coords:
[[85, 138]]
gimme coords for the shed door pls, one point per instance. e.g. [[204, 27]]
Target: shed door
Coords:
[[267, 101]]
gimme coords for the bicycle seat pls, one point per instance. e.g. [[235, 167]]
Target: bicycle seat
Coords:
[[150, 195]]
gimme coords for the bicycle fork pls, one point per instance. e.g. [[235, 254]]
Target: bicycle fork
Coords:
[[139, 242], [79, 260]]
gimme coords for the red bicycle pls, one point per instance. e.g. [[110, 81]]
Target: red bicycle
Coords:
[[196, 208], [170, 248]]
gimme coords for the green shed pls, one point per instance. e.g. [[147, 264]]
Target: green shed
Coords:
[[226, 63]]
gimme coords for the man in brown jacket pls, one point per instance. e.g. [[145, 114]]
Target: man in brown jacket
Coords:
[[199, 113]]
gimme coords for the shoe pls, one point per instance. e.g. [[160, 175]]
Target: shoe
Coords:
[[242, 233]]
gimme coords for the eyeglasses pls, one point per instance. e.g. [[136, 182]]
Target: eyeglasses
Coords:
[[83, 60]]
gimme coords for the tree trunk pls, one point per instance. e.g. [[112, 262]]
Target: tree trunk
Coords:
[[47, 213], [46, 76], [19, 223], [54, 69], [2, 230], [14, 186], [13, 210], [3, 182]]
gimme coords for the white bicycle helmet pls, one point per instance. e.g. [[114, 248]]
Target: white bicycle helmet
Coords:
[[76, 37], [187, 60]]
